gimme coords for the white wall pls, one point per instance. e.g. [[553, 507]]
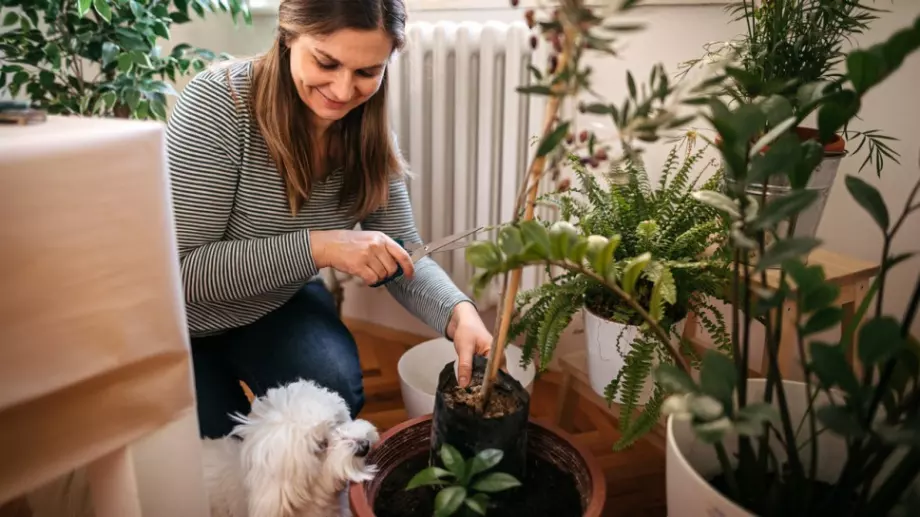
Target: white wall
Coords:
[[674, 34]]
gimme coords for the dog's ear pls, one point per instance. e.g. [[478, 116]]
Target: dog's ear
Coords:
[[278, 462]]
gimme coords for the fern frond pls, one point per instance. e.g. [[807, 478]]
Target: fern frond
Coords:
[[636, 371], [644, 424]]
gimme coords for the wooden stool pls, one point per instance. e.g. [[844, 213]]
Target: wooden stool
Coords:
[[853, 276]]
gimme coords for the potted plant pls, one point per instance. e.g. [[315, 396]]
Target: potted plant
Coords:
[[845, 440], [492, 413], [100, 57], [788, 44], [675, 230]]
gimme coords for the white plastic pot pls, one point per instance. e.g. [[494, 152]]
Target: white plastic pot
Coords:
[[608, 343], [420, 366], [691, 463]]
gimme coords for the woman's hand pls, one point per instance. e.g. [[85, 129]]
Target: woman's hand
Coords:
[[470, 338], [370, 256]]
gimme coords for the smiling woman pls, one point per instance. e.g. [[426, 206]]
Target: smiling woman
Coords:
[[273, 161]]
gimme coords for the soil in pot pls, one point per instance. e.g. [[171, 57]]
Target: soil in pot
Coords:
[[547, 491], [459, 420]]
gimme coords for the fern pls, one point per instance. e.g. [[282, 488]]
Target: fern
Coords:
[[664, 220]]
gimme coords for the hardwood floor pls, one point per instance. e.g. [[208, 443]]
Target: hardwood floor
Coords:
[[635, 478]]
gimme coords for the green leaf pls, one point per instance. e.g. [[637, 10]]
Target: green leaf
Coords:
[[125, 62], [821, 320], [495, 482], [631, 84], [484, 255], [865, 69], [485, 460], [83, 6], [141, 59], [879, 340], [784, 153], [784, 207], [634, 268], [664, 291], [103, 9], [829, 363], [822, 296], [840, 421], [511, 241], [479, 503], [704, 407], [535, 90], [758, 413], [786, 249], [53, 54], [428, 477], [771, 136], [158, 109], [674, 379], [453, 460], [718, 201], [870, 199], [449, 500], [718, 376], [777, 109], [600, 253], [161, 30], [132, 99], [536, 237], [142, 110], [11, 18], [836, 112], [552, 140], [109, 53], [714, 431]]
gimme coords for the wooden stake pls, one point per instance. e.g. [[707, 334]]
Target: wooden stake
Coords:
[[509, 293]]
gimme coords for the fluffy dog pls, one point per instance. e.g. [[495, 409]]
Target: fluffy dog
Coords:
[[298, 452], [292, 456]]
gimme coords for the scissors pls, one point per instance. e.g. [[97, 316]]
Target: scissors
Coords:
[[418, 250]]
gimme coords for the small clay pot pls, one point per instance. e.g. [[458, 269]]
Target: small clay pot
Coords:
[[547, 441]]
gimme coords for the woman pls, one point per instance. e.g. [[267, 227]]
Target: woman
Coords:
[[273, 162]]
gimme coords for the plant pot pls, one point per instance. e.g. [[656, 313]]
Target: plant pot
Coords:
[[822, 181], [692, 463], [420, 366], [549, 443], [608, 343]]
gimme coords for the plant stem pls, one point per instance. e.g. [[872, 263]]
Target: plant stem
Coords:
[[728, 471], [535, 172]]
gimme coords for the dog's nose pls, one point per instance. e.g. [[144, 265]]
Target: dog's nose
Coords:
[[362, 447]]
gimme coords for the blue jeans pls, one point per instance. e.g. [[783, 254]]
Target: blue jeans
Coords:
[[302, 339]]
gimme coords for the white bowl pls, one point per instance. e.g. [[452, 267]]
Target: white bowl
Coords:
[[420, 367]]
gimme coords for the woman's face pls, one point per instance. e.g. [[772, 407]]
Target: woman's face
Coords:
[[336, 73]]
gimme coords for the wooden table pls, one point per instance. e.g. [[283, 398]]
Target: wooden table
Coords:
[[852, 275]]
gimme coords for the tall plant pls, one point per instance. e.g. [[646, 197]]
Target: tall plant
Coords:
[[790, 43], [101, 57], [876, 408]]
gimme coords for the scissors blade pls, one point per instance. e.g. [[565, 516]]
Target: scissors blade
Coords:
[[448, 243]]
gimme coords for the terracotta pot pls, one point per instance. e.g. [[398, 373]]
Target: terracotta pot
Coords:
[[547, 441]]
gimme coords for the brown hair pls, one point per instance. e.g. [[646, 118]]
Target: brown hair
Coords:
[[282, 119]]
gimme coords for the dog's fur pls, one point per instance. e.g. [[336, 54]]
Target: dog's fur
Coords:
[[292, 456]]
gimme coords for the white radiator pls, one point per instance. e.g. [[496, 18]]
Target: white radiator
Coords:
[[465, 130]]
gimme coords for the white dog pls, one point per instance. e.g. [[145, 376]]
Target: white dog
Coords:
[[292, 456]]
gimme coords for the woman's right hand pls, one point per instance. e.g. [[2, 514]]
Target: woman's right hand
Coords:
[[370, 256]]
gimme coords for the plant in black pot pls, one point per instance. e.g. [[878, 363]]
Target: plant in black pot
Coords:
[[545, 459]]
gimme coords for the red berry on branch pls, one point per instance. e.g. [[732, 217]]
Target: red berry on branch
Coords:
[[529, 16], [533, 42], [583, 136], [514, 3], [600, 154]]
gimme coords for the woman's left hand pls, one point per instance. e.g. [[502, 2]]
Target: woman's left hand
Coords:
[[470, 338]]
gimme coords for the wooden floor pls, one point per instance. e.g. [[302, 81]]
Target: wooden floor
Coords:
[[635, 478]]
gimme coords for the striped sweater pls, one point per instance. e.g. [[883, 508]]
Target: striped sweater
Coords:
[[242, 253]]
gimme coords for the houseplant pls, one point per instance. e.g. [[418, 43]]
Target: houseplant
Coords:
[[573, 30], [859, 449], [100, 57], [663, 220], [787, 44]]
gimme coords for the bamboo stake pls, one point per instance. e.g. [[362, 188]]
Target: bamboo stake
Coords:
[[511, 285]]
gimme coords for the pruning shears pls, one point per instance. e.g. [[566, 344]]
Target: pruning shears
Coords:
[[418, 250]]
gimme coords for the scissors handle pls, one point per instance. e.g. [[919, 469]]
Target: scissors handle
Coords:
[[399, 270]]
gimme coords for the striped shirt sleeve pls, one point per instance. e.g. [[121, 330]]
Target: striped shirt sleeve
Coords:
[[203, 141], [431, 294]]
